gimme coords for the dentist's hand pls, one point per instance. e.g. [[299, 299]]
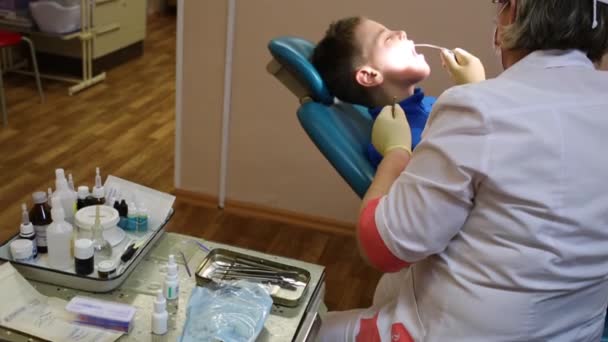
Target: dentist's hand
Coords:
[[389, 133], [463, 67]]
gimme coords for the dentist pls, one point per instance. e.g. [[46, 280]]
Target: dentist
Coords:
[[496, 227]]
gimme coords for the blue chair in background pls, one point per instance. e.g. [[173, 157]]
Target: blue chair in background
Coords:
[[341, 131]]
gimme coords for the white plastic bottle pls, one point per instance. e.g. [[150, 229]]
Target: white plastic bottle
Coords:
[[171, 286], [59, 238], [66, 197], [142, 218], [160, 316], [132, 216], [49, 197], [71, 182]]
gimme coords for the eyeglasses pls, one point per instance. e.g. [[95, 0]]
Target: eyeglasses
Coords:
[[502, 2]]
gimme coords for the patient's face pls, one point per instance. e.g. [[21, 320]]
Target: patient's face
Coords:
[[391, 53]]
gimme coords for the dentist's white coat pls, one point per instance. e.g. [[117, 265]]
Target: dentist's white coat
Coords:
[[502, 214]]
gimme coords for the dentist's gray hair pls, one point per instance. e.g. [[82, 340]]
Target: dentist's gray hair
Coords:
[[558, 24]]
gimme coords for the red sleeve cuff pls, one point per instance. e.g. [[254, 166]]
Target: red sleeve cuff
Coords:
[[372, 244]]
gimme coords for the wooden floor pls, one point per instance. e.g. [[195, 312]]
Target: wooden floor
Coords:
[[126, 126]]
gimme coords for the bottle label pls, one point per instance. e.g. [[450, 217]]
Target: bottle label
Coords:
[[41, 235], [171, 292]]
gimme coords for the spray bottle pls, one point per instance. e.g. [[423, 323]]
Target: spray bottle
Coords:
[[160, 315]]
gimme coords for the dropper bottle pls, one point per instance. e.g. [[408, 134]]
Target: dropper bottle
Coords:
[[98, 191], [160, 315], [26, 230], [171, 285]]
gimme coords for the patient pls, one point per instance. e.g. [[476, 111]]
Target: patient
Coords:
[[362, 62]]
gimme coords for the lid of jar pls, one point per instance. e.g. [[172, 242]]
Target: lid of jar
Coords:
[[108, 217], [83, 249], [22, 248], [107, 266], [27, 229], [83, 191], [98, 192], [39, 197]]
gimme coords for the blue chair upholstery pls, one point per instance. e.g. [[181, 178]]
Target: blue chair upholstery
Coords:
[[341, 131]]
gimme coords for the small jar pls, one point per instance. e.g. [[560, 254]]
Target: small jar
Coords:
[[22, 250], [106, 268], [83, 254]]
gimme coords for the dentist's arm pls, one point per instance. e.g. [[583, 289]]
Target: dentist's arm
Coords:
[[392, 138]]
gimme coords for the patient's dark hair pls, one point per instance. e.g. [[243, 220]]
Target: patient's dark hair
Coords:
[[335, 56]]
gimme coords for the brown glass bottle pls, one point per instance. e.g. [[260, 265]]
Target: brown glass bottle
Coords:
[[40, 216]]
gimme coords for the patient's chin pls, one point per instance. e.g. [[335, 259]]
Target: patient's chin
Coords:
[[413, 76]]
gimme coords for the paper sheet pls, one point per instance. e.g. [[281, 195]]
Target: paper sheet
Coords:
[[26, 310]]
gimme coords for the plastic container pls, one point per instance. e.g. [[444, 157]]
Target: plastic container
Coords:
[[171, 285], [21, 250], [142, 218], [52, 17], [98, 196], [160, 316], [67, 197], [59, 237], [106, 268], [85, 219], [83, 193]]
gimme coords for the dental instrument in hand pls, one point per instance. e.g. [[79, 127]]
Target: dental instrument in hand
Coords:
[[394, 103], [431, 46], [440, 48]]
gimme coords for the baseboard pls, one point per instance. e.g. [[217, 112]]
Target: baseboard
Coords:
[[264, 212], [195, 198]]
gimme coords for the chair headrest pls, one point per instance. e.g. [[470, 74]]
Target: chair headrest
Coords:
[[294, 54]]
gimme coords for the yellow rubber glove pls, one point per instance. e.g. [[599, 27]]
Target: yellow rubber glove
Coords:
[[391, 132], [463, 67]]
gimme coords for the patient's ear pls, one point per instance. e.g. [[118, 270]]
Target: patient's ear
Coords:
[[369, 77]]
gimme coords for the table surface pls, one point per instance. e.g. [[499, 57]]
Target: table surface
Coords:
[[141, 286]]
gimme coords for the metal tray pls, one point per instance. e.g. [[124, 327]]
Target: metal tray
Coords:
[[90, 283], [289, 296]]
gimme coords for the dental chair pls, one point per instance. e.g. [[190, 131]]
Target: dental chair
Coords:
[[341, 131]]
